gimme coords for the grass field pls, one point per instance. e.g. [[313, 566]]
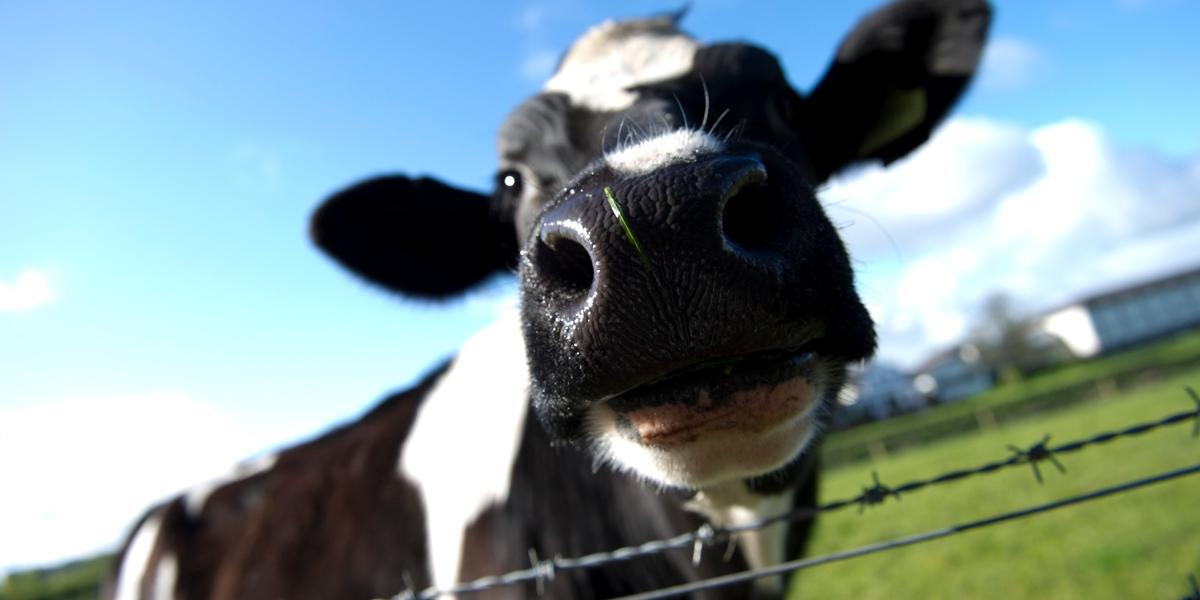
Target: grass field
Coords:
[[1142, 544], [1051, 389], [76, 580]]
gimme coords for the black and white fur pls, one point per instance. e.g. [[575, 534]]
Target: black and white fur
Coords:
[[632, 395]]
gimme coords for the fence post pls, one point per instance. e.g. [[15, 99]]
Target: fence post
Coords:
[[985, 419], [878, 450]]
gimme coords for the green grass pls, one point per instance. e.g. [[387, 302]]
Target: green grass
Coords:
[[1141, 544], [616, 208], [77, 580], [1052, 389]]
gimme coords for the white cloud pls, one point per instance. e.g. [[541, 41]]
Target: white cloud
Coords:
[[77, 473], [534, 23], [30, 290], [1047, 214], [537, 66], [1009, 63], [938, 189]]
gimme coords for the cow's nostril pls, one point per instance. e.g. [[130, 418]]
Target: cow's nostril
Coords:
[[564, 265], [753, 213]]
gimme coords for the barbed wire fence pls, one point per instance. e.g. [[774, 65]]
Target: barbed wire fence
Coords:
[[1195, 593], [543, 571]]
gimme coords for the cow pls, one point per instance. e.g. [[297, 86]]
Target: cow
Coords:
[[686, 316]]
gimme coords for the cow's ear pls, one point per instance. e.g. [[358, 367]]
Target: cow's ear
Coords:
[[895, 76], [415, 236]]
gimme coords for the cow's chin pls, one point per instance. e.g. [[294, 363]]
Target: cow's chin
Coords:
[[712, 429]]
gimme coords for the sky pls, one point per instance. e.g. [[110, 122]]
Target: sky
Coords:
[[163, 315]]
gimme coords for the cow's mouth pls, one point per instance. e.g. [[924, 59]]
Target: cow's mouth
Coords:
[[736, 418], [748, 393]]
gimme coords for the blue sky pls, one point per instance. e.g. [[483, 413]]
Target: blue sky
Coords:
[[158, 295]]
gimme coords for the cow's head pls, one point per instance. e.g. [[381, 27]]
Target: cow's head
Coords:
[[688, 310]]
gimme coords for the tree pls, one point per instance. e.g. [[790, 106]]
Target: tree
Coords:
[[1005, 340]]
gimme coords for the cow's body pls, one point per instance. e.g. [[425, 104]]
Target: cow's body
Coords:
[[343, 516], [649, 383]]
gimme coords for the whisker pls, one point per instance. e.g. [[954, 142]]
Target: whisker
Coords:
[[604, 136], [635, 128], [891, 241], [713, 130], [682, 113], [666, 125], [729, 134], [736, 132]]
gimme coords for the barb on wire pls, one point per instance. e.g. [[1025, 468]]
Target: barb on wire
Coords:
[[542, 571], [704, 537], [1195, 593], [1037, 453], [875, 494]]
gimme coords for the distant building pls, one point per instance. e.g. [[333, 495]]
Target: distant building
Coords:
[[953, 374], [1128, 316], [877, 391], [1104, 322]]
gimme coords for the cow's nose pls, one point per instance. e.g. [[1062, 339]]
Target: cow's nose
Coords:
[[751, 214], [647, 231]]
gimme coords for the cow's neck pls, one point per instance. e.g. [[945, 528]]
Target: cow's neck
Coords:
[[480, 402], [733, 504]]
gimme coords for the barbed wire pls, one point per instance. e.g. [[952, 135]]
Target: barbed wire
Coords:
[[806, 563], [1195, 593], [545, 570]]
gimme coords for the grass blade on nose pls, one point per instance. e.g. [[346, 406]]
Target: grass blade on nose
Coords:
[[616, 208]]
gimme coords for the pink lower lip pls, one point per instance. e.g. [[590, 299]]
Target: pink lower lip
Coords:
[[752, 409]]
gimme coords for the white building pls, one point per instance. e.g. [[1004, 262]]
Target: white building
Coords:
[[1128, 316]]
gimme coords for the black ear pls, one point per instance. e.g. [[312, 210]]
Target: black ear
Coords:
[[415, 236], [895, 77]]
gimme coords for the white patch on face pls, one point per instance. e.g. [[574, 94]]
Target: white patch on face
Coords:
[[194, 498], [463, 444], [136, 562], [678, 146], [715, 456], [612, 57], [732, 505]]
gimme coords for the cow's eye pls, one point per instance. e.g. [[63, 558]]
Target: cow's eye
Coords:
[[509, 183]]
